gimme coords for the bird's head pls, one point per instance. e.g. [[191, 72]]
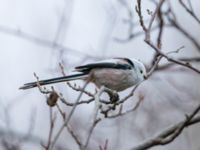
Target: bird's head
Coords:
[[136, 66], [140, 69]]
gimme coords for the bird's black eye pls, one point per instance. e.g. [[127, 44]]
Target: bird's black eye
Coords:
[[141, 71]]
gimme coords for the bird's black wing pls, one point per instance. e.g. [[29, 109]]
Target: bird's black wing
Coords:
[[88, 67]]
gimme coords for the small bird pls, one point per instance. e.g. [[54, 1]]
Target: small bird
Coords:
[[116, 74]]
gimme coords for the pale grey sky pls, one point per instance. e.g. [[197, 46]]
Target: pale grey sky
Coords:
[[90, 27]]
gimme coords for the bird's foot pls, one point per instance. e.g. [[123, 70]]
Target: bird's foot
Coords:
[[114, 96]]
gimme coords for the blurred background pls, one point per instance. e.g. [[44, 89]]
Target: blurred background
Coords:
[[35, 36]]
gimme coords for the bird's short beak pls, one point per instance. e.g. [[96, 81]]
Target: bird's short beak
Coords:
[[145, 77]]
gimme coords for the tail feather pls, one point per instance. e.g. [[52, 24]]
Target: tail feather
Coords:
[[54, 80]]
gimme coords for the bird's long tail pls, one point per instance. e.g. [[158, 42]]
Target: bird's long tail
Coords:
[[54, 80]]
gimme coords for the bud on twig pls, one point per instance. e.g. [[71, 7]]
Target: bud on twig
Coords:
[[52, 99]]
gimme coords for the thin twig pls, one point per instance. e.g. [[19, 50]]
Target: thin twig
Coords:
[[69, 128], [95, 120], [176, 25], [158, 7], [52, 122], [69, 117]]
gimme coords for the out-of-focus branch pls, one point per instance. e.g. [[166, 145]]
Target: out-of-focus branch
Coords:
[[135, 35], [177, 26], [171, 133], [31, 38], [168, 65], [24, 137], [190, 11], [170, 14], [130, 15]]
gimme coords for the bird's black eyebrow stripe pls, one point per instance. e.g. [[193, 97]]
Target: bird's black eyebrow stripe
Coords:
[[88, 67], [129, 61]]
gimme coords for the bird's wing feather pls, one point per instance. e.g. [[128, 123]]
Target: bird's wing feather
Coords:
[[111, 63], [53, 80]]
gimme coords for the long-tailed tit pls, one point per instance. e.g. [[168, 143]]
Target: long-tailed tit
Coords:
[[116, 74]]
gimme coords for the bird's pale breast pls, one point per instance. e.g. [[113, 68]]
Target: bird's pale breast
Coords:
[[113, 79]]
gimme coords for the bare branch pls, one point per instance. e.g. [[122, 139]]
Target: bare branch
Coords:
[[158, 7], [52, 122], [69, 117], [69, 128], [95, 119], [31, 38], [171, 133], [139, 11], [190, 60], [190, 11]]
